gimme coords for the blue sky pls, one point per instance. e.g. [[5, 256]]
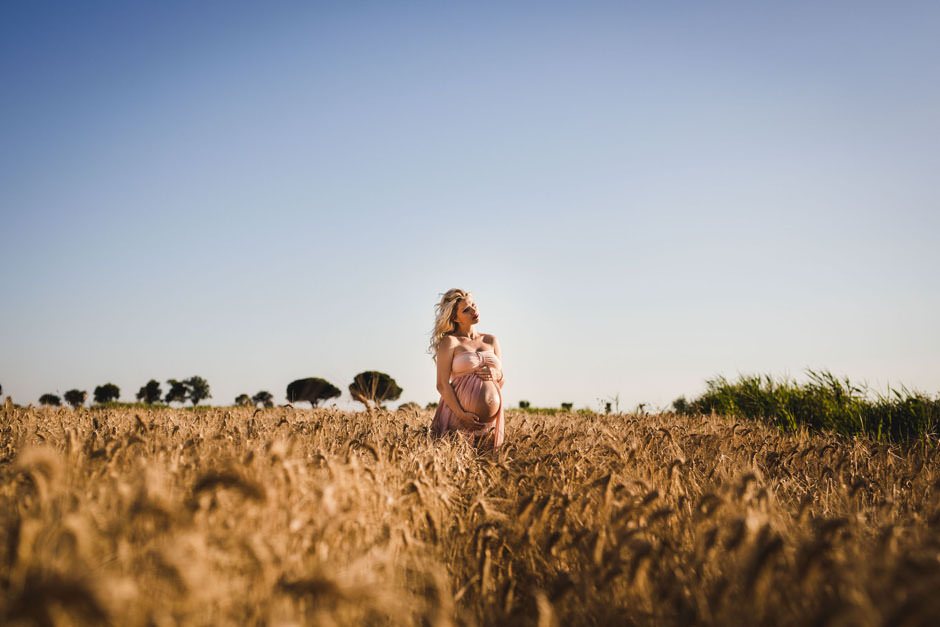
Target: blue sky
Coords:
[[640, 195]]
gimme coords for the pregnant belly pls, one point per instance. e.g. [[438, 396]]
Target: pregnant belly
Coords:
[[480, 397]]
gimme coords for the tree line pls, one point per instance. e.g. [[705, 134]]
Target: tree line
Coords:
[[371, 388], [194, 389]]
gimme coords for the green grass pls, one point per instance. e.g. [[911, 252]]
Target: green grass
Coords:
[[144, 406], [551, 411], [823, 403]]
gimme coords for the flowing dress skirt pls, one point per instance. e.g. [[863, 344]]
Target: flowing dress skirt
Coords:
[[483, 398]]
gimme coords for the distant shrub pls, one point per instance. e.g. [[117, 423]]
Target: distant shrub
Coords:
[[374, 388], [150, 393], [567, 406], [176, 393], [524, 404], [681, 406], [194, 389], [431, 405], [824, 402], [75, 398], [409, 407], [107, 393], [263, 398], [50, 400], [312, 389], [197, 389]]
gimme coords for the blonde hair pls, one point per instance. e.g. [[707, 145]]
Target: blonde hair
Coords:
[[444, 317]]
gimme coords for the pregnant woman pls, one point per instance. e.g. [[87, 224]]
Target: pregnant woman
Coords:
[[469, 373]]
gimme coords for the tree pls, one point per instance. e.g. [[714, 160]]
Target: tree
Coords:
[[567, 406], [243, 400], [263, 398], [177, 392], [107, 393], [373, 387], [198, 389], [313, 390], [75, 398], [50, 399], [150, 393]]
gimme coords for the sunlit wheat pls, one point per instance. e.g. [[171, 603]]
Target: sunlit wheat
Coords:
[[286, 516]]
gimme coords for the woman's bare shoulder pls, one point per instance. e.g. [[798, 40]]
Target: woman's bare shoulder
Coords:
[[448, 341]]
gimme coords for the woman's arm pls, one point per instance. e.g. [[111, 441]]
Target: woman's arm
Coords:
[[445, 356], [499, 353]]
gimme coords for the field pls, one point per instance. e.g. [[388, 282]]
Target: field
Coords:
[[284, 517]]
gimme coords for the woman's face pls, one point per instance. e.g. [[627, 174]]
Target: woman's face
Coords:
[[466, 313]]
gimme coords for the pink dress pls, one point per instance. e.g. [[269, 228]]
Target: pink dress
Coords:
[[475, 395]]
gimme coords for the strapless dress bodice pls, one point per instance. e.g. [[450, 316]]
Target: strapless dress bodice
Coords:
[[471, 361], [478, 395]]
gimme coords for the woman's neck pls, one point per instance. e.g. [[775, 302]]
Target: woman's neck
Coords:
[[467, 332]]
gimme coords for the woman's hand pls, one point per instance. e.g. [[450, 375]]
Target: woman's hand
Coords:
[[487, 373], [470, 420]]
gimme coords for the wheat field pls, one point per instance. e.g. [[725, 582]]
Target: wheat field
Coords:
[[291, 517]]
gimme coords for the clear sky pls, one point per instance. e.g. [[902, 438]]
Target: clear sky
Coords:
[[641, 195]]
